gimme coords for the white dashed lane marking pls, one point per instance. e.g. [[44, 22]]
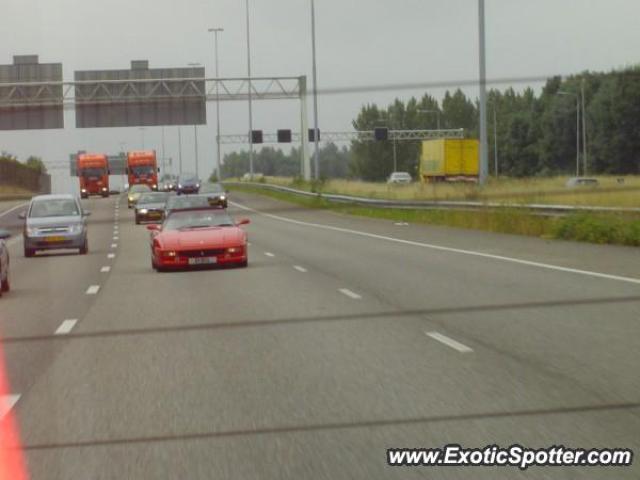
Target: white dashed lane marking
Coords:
[[350, 294], [269, 254], [300, 269], [93, 289], [105, 269], [111, 255], [449, 342], [7, 402], [66, 326]]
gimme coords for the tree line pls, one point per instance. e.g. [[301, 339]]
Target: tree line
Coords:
[[32, 161], [535, 133]]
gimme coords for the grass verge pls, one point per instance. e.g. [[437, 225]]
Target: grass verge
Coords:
[[583, 227], [609, 193]]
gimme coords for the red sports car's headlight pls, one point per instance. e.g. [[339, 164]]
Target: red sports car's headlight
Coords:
[[168, 253], [235, 250]]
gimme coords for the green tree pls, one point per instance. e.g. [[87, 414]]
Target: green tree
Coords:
[[36, 163]]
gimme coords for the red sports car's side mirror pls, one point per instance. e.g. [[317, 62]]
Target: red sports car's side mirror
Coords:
[[244, 221], [154, 227]]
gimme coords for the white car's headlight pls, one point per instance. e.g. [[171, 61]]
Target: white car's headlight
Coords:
[[143, 211], [31, 231], [77, 228], [222, 197]]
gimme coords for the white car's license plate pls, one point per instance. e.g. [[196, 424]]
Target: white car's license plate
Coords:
[[203, 260]]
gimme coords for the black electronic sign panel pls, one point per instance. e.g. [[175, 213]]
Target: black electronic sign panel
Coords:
[[24, 106], [118, 98]]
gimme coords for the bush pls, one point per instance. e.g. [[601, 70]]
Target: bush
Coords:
[[599, 229]]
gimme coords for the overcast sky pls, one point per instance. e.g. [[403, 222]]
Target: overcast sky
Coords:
[[360, 42]]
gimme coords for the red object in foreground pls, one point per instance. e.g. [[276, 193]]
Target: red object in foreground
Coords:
[[198, 247], [12, 465]]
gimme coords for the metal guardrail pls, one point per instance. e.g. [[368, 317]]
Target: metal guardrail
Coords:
[[540, 209]]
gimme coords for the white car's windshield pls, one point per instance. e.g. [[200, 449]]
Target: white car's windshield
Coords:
[[54, 208]]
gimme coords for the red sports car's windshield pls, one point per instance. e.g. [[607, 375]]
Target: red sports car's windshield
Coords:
[[197, 219]]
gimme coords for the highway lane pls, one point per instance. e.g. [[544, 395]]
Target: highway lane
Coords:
[[48, 289], [313, 372]]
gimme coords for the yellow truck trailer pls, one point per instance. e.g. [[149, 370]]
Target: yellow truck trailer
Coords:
[[449, 159]]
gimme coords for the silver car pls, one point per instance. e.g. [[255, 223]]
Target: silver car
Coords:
[[53, 222], [4, 262]]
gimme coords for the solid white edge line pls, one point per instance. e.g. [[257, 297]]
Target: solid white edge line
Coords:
[[502, 258], [12, 209], [7, 402], [300, 269], [105, 269], [449, 342], [349, 293], [111, 255], [93, 289], [66, 326]]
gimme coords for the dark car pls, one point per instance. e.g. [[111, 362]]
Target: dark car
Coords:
[[4, 262], [216, 194], [150, 207], [188, 183]]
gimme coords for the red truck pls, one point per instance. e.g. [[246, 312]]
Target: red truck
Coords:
[[142, 168], [93, 173]]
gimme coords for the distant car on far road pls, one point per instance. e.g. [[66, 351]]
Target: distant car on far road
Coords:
[[188, 183], [256, 177], [216, 194], [4, 262], [134, 193], [399, 177], [55, 222], [150, 207], [582, 182]]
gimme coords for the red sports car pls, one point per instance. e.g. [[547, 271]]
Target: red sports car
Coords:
[[197, 237]]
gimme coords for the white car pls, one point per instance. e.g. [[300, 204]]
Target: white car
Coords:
[[582, 182], [256, 177], [399, 177]]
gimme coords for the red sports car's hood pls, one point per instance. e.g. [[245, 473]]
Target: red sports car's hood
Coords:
[[221, 237]]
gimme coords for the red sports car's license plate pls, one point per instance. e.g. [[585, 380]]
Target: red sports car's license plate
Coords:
[[203, 260]]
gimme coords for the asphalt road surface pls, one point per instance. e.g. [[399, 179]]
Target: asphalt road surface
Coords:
[[344, 337]]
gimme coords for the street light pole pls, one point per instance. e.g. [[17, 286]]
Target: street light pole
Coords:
[[495, 140], [163, 157], [195, 136], [180, 149], [484, 151], [195, 129], [250, 94], [315, 91], [584, 133], [577, 127], [219, 156]]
